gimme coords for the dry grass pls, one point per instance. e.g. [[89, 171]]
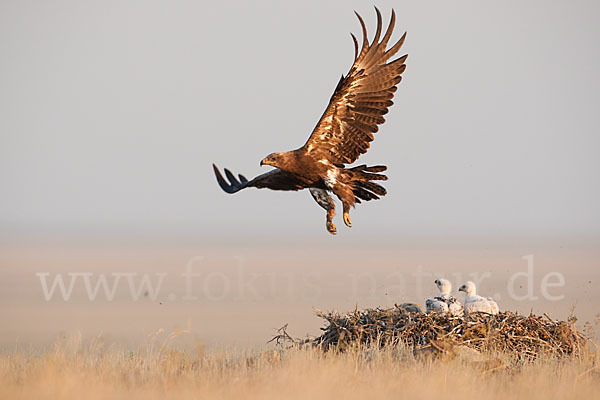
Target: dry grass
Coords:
[[73, 370]]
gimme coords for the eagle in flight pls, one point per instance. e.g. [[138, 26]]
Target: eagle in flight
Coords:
[[343, 133]]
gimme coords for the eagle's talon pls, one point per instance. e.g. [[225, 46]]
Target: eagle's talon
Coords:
[[331, 228], [347, 220]]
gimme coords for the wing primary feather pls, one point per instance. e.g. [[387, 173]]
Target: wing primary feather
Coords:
[[231, 177], [355, 46], [390, 29], [400, 60], [394, 49], [364, 32], [390, 66], [378, 31]]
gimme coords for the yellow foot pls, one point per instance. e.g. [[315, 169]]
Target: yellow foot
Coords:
[[347, 220], [331, 228]]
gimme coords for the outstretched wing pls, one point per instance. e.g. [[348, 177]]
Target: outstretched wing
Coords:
[[274, 180], [360, 100]]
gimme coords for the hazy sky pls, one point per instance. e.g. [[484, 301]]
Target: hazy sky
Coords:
[[111, 113]]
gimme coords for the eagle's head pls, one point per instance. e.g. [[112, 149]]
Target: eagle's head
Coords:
[[443, 285], [468, 288], [273, 159]]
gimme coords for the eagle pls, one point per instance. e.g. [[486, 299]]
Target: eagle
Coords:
[[344, 132], [476, 303], [444, 302]]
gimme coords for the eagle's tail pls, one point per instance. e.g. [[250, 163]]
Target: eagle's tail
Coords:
[[363, 186]]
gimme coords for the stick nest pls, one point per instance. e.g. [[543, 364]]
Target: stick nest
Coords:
[[504, 332]]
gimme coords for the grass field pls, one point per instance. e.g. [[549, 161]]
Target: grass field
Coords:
[[222, 354], [76, 370]]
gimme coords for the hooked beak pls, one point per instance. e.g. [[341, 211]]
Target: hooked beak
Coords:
[[265, 161]]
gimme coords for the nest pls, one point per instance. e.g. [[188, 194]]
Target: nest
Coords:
[[505, 332]]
